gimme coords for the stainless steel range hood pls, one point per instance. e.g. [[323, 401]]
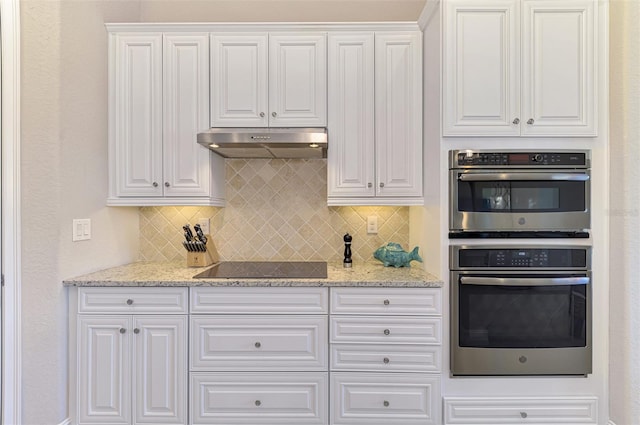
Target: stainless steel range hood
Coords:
[[266, 142]]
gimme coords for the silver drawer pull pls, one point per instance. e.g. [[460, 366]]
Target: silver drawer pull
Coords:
[[387, 331], [258, 403], [386, 302], [129, 301], [385, 403], [385, 360], [257, 344], [523, 415]]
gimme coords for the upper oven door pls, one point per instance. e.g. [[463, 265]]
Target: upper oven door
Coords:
[[519, 200]]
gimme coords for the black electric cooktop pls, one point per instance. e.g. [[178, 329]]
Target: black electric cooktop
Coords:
[[266, 270]]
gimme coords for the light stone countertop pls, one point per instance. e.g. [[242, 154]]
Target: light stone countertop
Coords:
[[366, 274]]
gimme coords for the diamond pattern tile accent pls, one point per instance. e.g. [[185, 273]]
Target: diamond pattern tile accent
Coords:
[[276, 211]]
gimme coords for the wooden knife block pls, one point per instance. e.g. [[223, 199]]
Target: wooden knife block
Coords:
[[206, 258]]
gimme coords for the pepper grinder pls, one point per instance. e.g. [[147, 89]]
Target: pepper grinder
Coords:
[[347, 251]]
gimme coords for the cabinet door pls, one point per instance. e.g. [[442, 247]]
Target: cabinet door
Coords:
[[161, 369], [239, 80], [481, 68], [136, 152], [351, 115], [398, 92], [558, 68], [298, 80], [186, 112], [104, 369]]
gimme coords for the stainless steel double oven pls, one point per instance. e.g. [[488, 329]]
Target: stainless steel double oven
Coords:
[[519, 308]]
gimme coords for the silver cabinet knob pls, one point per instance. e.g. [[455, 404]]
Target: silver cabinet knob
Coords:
[[385, 360], [166, 184], [516, 121], [385, 302], [387, 332], [274, 114], [154, 184], [136, 331], [258, 402], [257, 344], [385, 403], [523, 415], [129, 301], [122, 330], [369, 185], [530, 121], [381, 184], [261, 114]]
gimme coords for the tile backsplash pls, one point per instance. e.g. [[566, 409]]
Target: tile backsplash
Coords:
[[276, 210]]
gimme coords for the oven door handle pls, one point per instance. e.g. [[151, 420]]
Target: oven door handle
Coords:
[[516, 281], [482, 177]]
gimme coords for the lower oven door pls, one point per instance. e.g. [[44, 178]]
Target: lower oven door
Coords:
[[520, 324], [494, 200]]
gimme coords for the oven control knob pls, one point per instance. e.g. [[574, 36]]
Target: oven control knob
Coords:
[[537, 157], [522, 359]]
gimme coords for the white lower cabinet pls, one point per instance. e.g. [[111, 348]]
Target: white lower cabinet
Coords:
[[385, 346], [269, 368], [255, 356], [131, 369], [520, 410]]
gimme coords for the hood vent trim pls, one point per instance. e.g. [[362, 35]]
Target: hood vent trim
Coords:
[[285, 143]]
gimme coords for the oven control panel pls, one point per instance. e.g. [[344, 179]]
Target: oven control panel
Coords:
[[521, 258], [475, 159]]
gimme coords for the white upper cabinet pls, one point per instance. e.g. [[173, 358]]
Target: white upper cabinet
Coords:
[[399, 115], [136, 143], [158, 103], [375, 118], [559, 95], [519, 68], [351, 156], [268, 79], [239, 80]]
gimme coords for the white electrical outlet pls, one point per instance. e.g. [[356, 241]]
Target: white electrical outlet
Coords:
[[204, 225], [372, 224], [81, 229]]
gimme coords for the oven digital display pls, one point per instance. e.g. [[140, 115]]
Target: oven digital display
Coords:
[[518, 158]]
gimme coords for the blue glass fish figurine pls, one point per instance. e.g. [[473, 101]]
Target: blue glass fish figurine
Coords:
[[392, 254]]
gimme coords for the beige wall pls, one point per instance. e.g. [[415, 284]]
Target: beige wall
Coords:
[[63, 176], [624, 357], [280, 10]]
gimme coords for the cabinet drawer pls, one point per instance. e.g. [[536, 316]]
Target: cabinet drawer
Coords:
[[384, 399], [132, 300], [386, 358], [259, 398], [384, 330], [226, 300], [259, 343], [392, 301], [519, 410]]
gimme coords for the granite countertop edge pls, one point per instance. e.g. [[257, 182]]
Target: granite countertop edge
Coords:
[[176, 274]]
